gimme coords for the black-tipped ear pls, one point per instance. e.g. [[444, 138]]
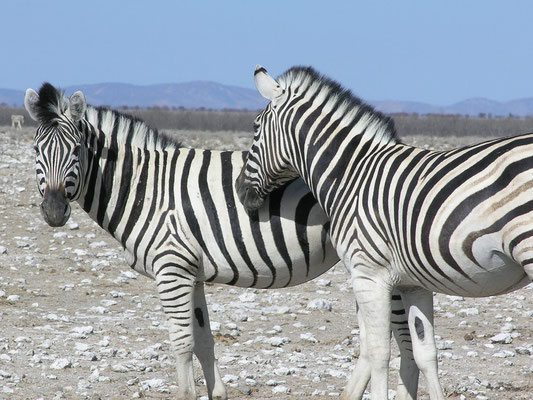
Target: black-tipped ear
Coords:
[[265, 84], [31, 99], [77, 106]]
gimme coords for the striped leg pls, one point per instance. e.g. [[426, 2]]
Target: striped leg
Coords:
[[204, 346], [419, 303], [409, 372], [361, 373], [373, 297], [175, 284], [408, 382]]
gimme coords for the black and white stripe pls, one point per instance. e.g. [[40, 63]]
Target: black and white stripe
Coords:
[[457, 222], [175, 212]]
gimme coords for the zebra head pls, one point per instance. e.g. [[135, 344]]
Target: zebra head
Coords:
[[268, 165], [60, 149]]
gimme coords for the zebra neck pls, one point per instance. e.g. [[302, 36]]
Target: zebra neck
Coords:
[[329, 158], [115, 183]]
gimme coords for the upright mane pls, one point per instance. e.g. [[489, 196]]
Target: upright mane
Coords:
[[342, 100], [126, 128]]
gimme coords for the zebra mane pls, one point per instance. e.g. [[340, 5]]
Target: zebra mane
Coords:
[[128, 130], [343, 100], [51, 105]]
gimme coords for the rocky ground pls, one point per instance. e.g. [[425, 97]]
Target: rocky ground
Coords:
[[76, 323]]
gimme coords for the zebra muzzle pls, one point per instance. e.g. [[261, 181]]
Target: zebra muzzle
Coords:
[[55, 207], [248, 196]]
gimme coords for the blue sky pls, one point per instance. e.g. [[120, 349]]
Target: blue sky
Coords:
[[438, 52]]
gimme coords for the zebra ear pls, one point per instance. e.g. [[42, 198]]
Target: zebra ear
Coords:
[[78, 105], [265, 84], [31, 98]]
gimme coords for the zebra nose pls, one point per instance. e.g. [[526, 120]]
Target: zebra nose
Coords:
[[55, 207]]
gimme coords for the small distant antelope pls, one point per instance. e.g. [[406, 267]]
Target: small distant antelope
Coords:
[[17, 120]]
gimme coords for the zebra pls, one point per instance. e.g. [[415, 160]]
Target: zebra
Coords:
[[17, 121], [458, 222], [173, 210]]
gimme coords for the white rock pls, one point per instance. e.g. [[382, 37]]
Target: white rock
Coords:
[[60, 235], [3, 250], [230, 378], [468, 311], [98, 245], [152, 383], [281, 390], [319, 304], [308, 336], [81, 331], [445, 344], [504, 354], [73, 226], [128, 274], [13, 298], [323, 282], [80, 252], [61, 363], [82, 346], [503, 337], [247, 297]]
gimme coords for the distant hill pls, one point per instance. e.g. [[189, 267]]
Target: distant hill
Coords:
[[472, 107], [212, 95]]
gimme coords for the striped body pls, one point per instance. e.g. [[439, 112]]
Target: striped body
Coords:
[[457, 222], [174, 210]]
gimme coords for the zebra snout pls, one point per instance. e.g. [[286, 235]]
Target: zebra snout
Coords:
[[55, 207], [248, 196]]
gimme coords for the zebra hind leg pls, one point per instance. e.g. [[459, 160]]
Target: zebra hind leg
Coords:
[[419, 303], [409, 372], [175, 284], [204, 346]]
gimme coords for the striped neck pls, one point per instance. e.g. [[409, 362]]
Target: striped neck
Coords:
[[119, 148], [330, 131]]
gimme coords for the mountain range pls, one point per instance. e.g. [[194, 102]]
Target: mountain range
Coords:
[[217, 96]]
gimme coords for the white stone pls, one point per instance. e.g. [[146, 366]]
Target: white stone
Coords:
[[308, 336], [3, 250], [281, 390], [503, 337], [468, 311], [128, 274], [80, 252], [13, 298], [247, 297], [504, 354], [319, 304], [61, 363]]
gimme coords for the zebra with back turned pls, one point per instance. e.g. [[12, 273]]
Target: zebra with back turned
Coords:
[[175, 213], [457, 222]]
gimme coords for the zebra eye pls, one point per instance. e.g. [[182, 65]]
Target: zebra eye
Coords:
[[36, 149]]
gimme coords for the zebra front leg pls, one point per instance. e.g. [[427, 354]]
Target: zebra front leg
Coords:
[[373, 296], [204, 346], [175, 284], [409, 372], [419, 303], [361, 373]]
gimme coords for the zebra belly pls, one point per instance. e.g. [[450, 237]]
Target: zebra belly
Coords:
[[482, 269]]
